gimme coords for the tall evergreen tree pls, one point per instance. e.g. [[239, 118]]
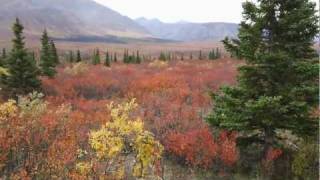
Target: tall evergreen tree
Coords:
[[218, 53], [278, 86], [107, 60], [162, 57], [71, 57], [96, 57], [54, 53], [78, 56], [47, 63], [4, 53], [3, 57], [115, 59], [125, 56], [212, 55], [23, 71], [132, 58], [200, 55], [191, 56], [138, 58]]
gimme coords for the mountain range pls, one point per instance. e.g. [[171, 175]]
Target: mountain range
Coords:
[[188, 31], [88, 20]]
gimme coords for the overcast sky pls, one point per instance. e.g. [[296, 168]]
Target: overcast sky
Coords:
[[177, 10]]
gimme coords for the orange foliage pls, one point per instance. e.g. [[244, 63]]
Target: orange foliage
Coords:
[[273, 154], [173, 100], [197, 147], [228, 152]]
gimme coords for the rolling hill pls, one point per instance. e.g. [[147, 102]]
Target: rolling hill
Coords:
[[67, 18], [187, 31], [88, 21]]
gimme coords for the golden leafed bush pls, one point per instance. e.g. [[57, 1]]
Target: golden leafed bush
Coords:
[[122, 137], [7, 110], [159, 64], [76, 69]]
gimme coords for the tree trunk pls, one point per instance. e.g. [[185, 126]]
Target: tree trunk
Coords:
[[267, 164]]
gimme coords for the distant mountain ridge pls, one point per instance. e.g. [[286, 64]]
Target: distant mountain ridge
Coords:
[[187, 31], [86, 20], [64, 18]]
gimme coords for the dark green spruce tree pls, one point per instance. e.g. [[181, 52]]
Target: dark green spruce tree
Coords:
[[212, 55], [162, 57], [71, 57], [200, 55], [218, 53], [107, 60], [278, 85], [47, 63], [115, 59], [54, 53], [23, 71], [96, 57], [132, 58], [125, 56], [78, 59], [3, 57], [138, 58], [4, 53]]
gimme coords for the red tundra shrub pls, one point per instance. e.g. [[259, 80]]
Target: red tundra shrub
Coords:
[[273, 154], [228, 148], [173, 100], [197, 147]]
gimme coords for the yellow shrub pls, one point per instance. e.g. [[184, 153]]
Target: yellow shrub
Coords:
[[148, 150], [122, 136], [83, 168], [105, 143], [8, 110], [159, 64], [76, 69]]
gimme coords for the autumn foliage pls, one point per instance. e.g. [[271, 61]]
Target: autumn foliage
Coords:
[[228, 150], [273, 154], [197, 147], [57, 135], [34, 140], [115, 142], [173, 98]]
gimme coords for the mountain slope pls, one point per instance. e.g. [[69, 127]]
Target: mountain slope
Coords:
[[185, 31], [67, 18]]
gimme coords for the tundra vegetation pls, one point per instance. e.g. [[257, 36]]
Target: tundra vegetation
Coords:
[[67, 114]]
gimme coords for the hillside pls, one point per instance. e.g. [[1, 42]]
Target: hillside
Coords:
[[65, 18], [86, 20], [186, 31]]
